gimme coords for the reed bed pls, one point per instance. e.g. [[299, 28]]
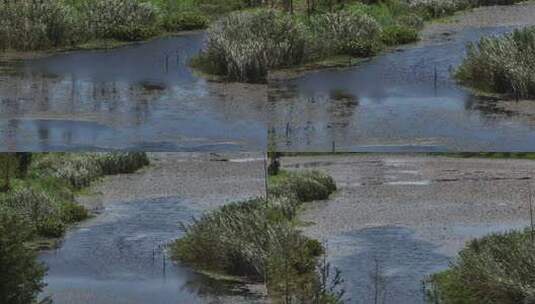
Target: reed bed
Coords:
[[45, 198], [80, 169], [494, 269], [258, 239], [502, 64]]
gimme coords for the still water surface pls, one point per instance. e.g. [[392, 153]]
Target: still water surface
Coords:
[[119, 257]]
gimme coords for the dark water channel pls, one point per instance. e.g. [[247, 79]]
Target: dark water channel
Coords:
[[142, 96], [118, 257], [404, 100]]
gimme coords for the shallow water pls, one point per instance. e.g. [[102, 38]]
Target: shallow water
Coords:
[[119, 257], [396, 102], [400, 258], [133, 97]]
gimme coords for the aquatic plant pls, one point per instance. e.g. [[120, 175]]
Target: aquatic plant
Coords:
[[494, 269], [344, 32], [245, 45], [38, 208], [22, 274], [258, 239], [502, 64], [80, 169], [128, 20], [304, 186]]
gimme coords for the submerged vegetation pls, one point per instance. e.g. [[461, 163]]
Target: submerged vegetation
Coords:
[[258, 239], [495, 269], [503, 64]]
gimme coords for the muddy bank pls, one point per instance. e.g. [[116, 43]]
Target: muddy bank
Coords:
[[411, 213], [120, 255]]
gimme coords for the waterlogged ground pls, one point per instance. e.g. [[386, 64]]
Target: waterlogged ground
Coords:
[[406, 99], [409, 215], [119, 256], [137, 97]]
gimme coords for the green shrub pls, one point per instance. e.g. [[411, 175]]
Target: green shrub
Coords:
[[495, 269], [184, 21], [503, 64], [21, 277], [245, 45]]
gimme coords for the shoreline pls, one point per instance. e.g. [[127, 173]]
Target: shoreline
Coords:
[[94, 45]]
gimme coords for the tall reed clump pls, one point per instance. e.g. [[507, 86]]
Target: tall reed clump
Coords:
[[344, 32], [258, 239], [40, 210], [244, 45], [503, 64], [495, 269], [42, 24], [129, 20], [37, 24], [80, 169]]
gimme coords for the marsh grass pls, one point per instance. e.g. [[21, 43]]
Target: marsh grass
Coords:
[[57, 24], [502, 64], [258, 239], [244, 45], [494, 269], [45, 196]]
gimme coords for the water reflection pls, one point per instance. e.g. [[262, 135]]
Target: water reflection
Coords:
[[388, 260], [144, 93], [119, 257], [404, 100]]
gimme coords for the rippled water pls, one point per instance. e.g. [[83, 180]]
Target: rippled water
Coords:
[[119, 257], [135, 97], [403, 100]]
